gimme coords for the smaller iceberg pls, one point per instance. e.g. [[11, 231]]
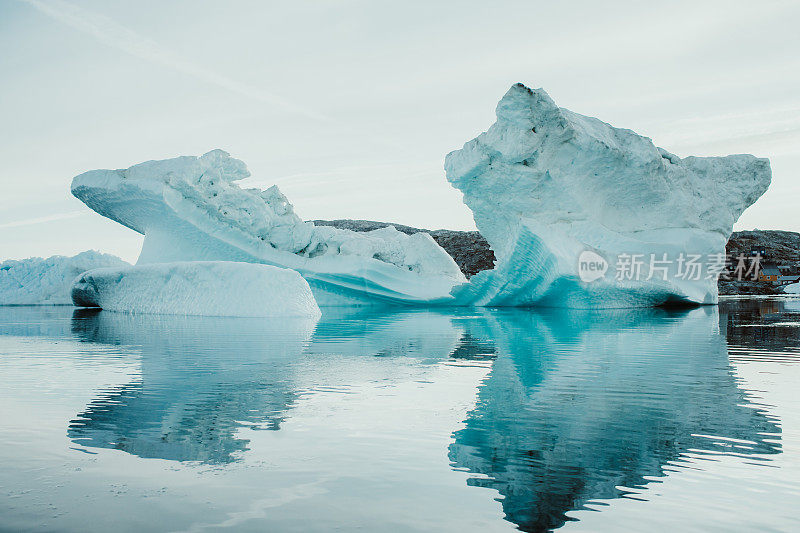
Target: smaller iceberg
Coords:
[[793, 288], [191, 209], [210, 288], [37, 281]]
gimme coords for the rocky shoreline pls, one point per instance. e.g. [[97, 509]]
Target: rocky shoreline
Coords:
[[777, 247], [472, 253]]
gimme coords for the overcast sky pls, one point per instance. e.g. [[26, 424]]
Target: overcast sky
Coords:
[[351, 106]]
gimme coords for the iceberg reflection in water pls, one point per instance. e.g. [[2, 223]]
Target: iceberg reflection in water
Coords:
[[194, 392], [577, 407], [204, 378], [587, 406]]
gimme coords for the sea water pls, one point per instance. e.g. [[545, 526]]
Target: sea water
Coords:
[[402, 420]]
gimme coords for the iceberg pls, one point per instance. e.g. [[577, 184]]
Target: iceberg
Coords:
[[37, 281], [578, 213], [582, 214], [190, 209], [209, 288], [792, 288]]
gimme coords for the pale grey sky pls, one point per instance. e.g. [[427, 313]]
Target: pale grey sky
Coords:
[[351, 106]]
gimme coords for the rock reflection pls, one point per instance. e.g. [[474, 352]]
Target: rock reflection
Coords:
[[584, 406], [762, 329]]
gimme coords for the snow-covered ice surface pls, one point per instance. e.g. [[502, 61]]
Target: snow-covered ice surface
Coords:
[[190, 208], [546, 185], [793, 288], [210, 288], [37, 281]]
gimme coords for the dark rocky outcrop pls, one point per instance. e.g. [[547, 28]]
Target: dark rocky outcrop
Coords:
[[779, 248]]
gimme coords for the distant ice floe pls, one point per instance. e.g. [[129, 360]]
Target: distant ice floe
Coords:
[[793, 288], [211, 288], [37, 281], [548, 189]]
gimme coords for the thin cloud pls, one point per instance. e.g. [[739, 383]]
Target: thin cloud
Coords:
[[41, 220], [111, 33]]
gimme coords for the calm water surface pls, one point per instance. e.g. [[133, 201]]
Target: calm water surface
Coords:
[[456, 420]]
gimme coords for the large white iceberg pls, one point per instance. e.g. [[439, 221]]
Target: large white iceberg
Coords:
[[190, 208], [210, 288], [583, 214], [578, 213], [37, 281]]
